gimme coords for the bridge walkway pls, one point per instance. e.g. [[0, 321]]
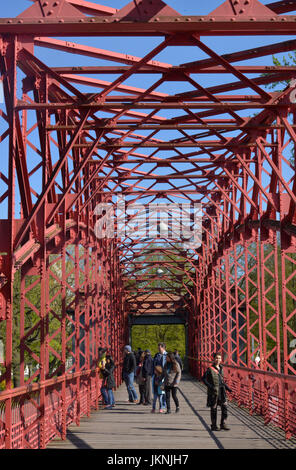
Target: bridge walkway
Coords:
[[132, 426]]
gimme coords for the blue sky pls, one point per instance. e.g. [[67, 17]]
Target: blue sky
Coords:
[[139, 47]]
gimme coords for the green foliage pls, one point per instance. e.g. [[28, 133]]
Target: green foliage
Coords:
[[271, 259], [286, 62], [32, 320], [148, 337]]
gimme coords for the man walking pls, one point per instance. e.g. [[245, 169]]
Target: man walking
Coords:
[[214, 380], [160, 360], [160, 357], [128, 373]]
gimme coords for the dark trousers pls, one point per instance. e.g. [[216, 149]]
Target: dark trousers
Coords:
[[214, 414], [148, 389], [168, 391], [142, 389]]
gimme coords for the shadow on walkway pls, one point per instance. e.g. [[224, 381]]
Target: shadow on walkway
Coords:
[[130, 426]]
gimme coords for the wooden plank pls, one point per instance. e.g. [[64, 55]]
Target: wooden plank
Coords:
[[133, 426]]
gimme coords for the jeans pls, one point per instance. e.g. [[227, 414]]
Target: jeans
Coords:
[[108, 396], [161, 399], [129, 382]]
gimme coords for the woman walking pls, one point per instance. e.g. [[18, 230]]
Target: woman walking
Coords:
[[172, 377], [108, 382]]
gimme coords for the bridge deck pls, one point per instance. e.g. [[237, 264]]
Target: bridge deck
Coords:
[[130, 426]]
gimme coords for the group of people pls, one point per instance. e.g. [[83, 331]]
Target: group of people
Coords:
[[158, 379], [159, 376]]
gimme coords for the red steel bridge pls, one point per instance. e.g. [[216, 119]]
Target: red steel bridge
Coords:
[[200, 116]]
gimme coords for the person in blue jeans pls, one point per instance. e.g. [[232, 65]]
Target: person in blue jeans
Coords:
[[160, 360], [109, 383], [128, 373], [158, 390]]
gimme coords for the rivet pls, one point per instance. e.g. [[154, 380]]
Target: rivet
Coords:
[[233, 18], [9, 21], [92, 20], [156, 19], [242, 10], [50, 12], [61, 21], [188, 19], [45, 4]]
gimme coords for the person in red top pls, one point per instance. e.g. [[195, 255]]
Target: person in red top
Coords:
[[214, 380]]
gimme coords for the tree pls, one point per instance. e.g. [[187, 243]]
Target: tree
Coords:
[[286, 62], [33, 335], [148, 337]]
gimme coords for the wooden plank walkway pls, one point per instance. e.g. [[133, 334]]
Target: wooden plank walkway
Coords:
[[131, 426]]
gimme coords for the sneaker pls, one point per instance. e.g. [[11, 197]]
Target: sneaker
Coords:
[[168, 412], [161, 411], [152, 411], [136, 401], [177, 410], [108, 407]]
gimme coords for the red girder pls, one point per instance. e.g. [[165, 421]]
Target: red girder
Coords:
[[69, 150]]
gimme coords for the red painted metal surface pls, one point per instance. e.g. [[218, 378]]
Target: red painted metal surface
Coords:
[[227, 145]]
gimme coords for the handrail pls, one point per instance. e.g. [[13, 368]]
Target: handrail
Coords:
[[247, 369]]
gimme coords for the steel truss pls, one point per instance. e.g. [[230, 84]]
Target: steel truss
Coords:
[[64, 291]]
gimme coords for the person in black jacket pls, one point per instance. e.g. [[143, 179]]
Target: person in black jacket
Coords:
[[128, 373], [138, 355], [214, 380], [140, 380], [147, 372], [108, 382]]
